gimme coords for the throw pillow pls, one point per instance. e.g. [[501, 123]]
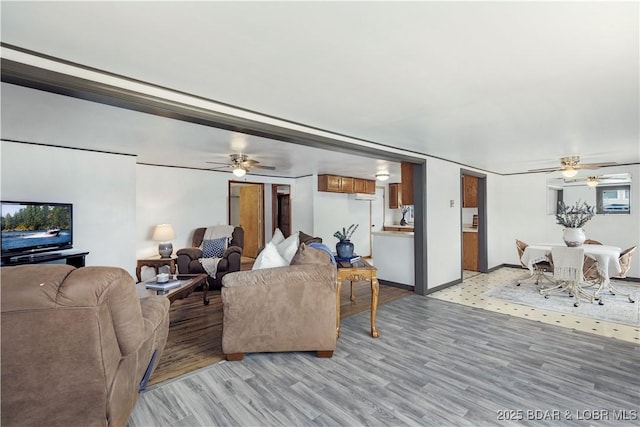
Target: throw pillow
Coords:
[[278, 237], [269, 257], [309, 255], [305, 238], [288, 247], [214, 248]]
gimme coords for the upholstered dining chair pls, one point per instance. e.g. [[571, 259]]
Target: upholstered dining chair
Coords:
[[539, 268], [625, 261], [568, 273]]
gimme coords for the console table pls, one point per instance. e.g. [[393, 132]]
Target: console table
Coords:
[[75, 259]]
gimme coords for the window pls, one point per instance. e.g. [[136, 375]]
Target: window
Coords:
[[613, 199]]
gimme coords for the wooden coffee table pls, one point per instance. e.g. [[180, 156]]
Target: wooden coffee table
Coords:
[[187, 285], [356, 272]]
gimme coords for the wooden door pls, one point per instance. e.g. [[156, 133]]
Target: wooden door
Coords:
[[251, 213], [284, 214]]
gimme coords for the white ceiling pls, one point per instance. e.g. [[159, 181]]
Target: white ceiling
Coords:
[[501, 86]]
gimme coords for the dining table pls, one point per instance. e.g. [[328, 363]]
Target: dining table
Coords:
[[608, 258]]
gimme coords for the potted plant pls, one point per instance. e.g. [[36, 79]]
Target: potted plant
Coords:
[[572, 218], [404, 209], [344, 247]]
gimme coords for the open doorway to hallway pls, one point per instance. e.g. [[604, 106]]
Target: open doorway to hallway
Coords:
[[281, 208]]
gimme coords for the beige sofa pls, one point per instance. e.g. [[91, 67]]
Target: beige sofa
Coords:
[[76, 344], [290, 308]]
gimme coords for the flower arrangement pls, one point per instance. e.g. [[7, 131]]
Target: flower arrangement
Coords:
[[345, 234], [574, 216]]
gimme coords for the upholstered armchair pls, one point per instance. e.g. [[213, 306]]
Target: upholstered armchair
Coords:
[[188, 258], [77, 344]]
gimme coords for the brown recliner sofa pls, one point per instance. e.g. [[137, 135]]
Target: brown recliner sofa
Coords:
[[231, 259], [77, 344], [290, 308]]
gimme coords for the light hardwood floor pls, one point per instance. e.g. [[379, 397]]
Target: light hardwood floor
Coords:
[[436, 363]]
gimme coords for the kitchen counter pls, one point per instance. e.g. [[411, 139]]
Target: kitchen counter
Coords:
[[397, 227], [408, 234], [392, 254]]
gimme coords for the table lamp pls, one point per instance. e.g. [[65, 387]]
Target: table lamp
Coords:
[[163, 233]]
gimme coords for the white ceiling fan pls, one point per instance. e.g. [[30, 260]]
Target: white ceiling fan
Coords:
[[241, 164], [595, 180], [571, 165]]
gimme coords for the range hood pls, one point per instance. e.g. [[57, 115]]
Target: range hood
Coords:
[[363, 196]]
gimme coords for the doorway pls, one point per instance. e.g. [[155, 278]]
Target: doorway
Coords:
[[246, 210], [473, 213], [281, 208]]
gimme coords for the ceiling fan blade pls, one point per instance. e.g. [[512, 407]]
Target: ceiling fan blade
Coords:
[[271, 168], [218, 163], [545, 170], [595, 165]]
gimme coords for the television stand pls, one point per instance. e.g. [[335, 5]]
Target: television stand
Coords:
[[75, 259]]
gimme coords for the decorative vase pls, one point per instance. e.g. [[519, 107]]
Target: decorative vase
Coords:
[[573, 237], [344, 248], [403, 221]]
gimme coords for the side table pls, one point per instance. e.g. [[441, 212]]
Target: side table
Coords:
[[360, 270], [156, 262]]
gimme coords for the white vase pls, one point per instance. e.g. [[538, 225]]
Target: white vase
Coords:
[[573, 237]]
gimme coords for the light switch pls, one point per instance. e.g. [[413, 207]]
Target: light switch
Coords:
[[452, 203]]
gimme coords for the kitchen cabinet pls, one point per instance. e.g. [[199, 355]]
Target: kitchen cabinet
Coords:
[[335, 184], [470, 191], [406, 174], [345, 184], [370, 186], [395, 195], [470, 251]]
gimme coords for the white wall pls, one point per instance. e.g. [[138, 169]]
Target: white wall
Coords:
[[333, 211], [444, 246], [100, 186], [302, 204]]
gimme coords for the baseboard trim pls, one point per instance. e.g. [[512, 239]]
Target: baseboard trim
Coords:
[[443, 286], [396, 284]]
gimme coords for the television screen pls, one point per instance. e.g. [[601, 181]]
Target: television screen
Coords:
[[29, 227]]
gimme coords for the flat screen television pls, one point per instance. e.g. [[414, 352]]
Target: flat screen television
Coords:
[[33, 227]]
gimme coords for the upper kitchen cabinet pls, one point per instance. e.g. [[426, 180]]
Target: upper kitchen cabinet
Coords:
[[366, 186], [345, 184], [395, 195], [406, 173], [470, 191]]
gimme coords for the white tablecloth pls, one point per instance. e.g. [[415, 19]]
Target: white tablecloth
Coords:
[[607, 257]]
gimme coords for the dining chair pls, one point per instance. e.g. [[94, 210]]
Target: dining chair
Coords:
[[539, 268], [591, 242], [625, 265], [568, 273], [625, 261]]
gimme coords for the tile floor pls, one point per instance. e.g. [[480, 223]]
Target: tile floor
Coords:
[[474, 286]]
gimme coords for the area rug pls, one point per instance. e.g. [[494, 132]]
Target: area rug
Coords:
[[616, 308]]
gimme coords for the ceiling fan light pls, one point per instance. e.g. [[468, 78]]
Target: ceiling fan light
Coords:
[[569, 172], [239, 172], [382, 176]]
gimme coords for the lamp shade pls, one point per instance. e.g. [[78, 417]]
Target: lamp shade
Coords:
[[569, 172], [163, 233], [239, 172]]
